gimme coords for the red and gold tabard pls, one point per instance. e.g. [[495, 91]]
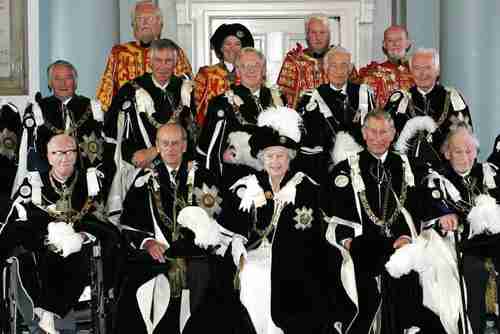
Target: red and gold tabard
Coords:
[[210, 81], [126, 62], [385, 78], [301, 71]]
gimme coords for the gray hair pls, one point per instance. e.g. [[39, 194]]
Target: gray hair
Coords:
[[380, 114], [320, 17], [291, 154], [249, 49], [427, 51], [163, 44], [333, 51], [456, 129], [133, 11], [60, 62]]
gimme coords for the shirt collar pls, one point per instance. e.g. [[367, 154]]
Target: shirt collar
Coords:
[[65, 100], [382, 158], [343, 89], [229, 66], [464, 174], [170, 169], [157, 84], [424, 93]]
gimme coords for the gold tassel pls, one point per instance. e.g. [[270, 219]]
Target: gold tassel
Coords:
[[491, 289]]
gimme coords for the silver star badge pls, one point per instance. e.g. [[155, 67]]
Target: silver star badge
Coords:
[[304, 218]]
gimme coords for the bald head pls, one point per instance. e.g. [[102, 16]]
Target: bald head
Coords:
[[147, 21], [62, 154], [396, 43]]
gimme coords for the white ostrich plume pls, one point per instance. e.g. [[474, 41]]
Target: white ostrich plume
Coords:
[[282, 119], [345, 145], [484, 216], [410, 130], [205, 229], [238, 151]]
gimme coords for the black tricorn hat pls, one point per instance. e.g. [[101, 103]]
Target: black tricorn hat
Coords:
[[277, 126], [235, 29], [266, 137]]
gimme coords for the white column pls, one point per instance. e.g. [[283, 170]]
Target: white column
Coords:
[[470, 55], [81, 32]]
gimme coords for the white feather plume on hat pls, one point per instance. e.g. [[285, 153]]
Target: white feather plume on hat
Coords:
[[284, 120], [410, 130]]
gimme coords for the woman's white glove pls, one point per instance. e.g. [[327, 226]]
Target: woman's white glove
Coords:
[[64, 238], [238, 250], [71, 244]]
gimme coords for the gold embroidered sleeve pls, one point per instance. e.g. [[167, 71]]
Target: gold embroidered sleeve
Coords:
[[183, 65], [288, 81], [105, 89]]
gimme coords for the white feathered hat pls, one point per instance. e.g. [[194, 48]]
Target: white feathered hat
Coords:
[[278, 126]]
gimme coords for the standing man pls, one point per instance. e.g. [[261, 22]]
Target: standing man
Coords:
[[302, 68], [338, 105], [442, 106], [366, 196], [394, 73], [213, 80], [63, 112], [235, 112], [141, 107], [131, 60]]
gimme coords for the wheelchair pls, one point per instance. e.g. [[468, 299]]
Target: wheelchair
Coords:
[[88, 316]]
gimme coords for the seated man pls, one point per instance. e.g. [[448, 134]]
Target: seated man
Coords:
[[370, 197], [458, 197], [63, 112], [54, 216], [163, 252]]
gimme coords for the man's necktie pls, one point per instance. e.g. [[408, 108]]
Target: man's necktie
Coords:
[[173, 174], [66, 117]]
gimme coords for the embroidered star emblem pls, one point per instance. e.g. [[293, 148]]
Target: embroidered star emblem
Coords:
[[208, 198], [92, 147], [303, 218]]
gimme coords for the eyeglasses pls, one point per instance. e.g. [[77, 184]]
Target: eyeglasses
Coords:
[[145, 19], [60, 154], [344, 67], [250, 67], [167, 143]]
